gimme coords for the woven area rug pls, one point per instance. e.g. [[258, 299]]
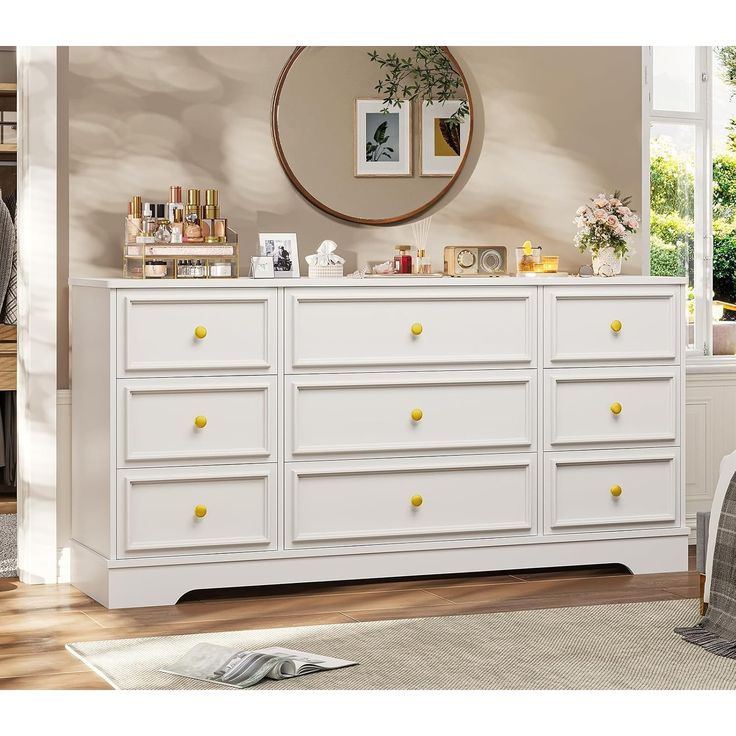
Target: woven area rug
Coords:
[[8, 546], [623, 646]]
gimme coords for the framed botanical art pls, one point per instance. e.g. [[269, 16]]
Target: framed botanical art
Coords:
[[382, 139], [282, 248], [443, 144]]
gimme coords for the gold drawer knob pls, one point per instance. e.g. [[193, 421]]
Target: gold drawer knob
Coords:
[[200, 511], [616, 325], [417, 501], [417, 414], [616, 491], [200, 332], [200, 422], [416, 328], [616, 408]]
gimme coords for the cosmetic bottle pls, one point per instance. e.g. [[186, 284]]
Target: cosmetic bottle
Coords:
[[220, 230], [149, 225], [210, 211], [177, 227], [402, 260], [175, 203], [134, 220], [163, 231], [192, 230], [192, 202]]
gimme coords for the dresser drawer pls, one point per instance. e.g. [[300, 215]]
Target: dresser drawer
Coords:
[[612, 325], [587, 491], [374, 328], [165, 511], [347, 503], [602, 406], [393, 413], [196, 331], [186, 421]]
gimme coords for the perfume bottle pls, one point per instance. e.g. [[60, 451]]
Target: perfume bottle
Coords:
[[174, 203], [149, 225], [192, 231], [177, 227], [163, 232], [402, 259]]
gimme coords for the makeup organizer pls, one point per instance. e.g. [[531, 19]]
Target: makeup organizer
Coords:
[[178, 241]]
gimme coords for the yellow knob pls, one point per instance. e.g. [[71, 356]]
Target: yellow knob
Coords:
[[200, 511], [616, 408], [200, 422], [616, 491], [417, 501], [416, 414], [616, 325], [416, 328], [200, 332]]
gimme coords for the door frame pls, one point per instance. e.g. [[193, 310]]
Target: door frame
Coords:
[[37, 313]]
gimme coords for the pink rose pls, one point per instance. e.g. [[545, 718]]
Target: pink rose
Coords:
[[614, 202], [612, 221], [600, 201], [600, 214], [619, 229], [623, 211]]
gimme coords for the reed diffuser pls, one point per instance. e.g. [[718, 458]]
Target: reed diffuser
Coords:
[[420, 233]]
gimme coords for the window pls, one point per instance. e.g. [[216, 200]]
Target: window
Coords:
[[690, 116]]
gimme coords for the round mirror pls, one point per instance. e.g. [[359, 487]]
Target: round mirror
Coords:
[[357, 157]]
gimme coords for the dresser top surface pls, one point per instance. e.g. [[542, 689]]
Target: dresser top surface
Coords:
[[115, 282]]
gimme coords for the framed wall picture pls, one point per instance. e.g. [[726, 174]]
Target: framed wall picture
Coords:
[[443, 145], [382, 139], [282, 249]]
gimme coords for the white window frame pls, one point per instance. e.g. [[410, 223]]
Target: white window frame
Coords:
[[703, 205]]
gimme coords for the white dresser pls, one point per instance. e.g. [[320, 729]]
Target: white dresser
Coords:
[[249, 432]]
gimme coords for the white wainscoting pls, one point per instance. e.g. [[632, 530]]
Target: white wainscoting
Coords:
[[710, 433]]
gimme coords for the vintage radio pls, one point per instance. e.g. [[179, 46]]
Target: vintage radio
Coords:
[[476, 260]]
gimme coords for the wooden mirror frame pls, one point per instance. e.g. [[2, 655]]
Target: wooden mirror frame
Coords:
[[342, 215]]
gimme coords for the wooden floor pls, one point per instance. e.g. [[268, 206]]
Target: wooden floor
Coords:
[[40, 620]]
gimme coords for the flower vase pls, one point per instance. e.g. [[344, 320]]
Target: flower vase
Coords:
[[606, 262]]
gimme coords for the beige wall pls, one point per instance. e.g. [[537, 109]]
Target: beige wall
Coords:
[[554, 126]]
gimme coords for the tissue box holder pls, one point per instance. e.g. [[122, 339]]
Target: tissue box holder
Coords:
[[326, 272]]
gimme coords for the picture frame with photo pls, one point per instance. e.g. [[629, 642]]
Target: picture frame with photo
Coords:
[[282, 248], [382, 138], [443, 146]]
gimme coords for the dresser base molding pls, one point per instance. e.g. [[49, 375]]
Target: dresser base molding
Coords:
[[164, 584]]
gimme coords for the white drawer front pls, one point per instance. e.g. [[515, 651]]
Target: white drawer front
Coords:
[[156, 331], [157, 420], [580, 407], [158, 510], [371, 328], [348, 503], [454, 412], [580, 324], [579, 497]]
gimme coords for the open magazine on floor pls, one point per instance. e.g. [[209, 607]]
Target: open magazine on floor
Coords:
[[240, 668]]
